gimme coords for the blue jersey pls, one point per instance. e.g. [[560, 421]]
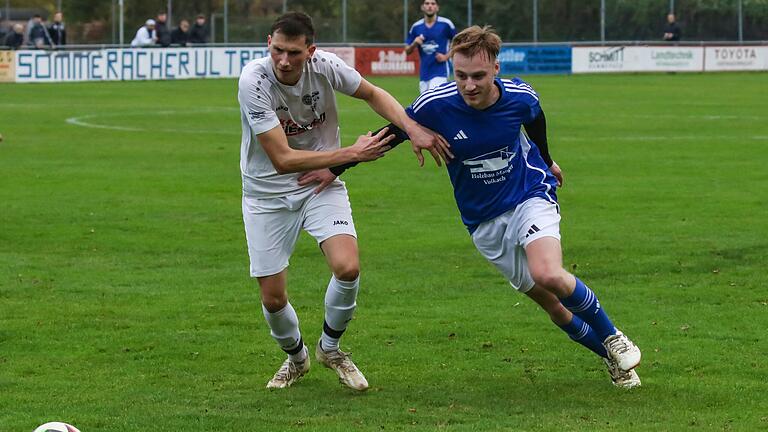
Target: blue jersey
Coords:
[[436, 40], [495, 166]]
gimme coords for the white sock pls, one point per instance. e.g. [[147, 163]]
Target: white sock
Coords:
[[340, 305], [284, 326], [300, 356]]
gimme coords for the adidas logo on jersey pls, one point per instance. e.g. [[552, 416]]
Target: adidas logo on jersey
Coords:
[[460, 136]]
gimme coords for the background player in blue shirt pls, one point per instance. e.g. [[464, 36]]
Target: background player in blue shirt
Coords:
[[432, 35], [504, 183]]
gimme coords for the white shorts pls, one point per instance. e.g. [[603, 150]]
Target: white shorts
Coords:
[[502, 240], [432, 83], [272, 225]]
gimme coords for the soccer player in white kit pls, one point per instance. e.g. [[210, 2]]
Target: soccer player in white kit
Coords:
[[504, 184], [290, 139]]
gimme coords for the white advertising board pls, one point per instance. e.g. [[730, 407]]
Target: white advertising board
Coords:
[[133, 64], [638, 59], [736, 58]]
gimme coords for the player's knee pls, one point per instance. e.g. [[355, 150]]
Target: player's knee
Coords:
[[274, 303], [347, 271], [554, 280]]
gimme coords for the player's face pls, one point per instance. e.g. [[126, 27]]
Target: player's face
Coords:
[[289, 56], [430, 8], [474, 78]]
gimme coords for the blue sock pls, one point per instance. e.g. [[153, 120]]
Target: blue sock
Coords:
[[582, 333], [584, 304]]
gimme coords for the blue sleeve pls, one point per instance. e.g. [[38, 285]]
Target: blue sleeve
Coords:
[[423, 117], [411, 36], [525, 94]]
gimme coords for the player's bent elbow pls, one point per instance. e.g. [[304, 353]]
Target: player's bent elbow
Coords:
[[283, 166]]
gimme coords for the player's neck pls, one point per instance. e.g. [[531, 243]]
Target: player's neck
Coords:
[[430, 20], [492, 98]]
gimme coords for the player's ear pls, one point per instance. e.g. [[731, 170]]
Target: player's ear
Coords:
[[496, 68], [312, 49], [269, 40]]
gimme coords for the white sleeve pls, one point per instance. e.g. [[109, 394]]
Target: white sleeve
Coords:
[[343, 78], [256, 104]]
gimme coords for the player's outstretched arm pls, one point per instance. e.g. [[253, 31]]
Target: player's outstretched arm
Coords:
[[422, 138], [287, 160], [398, 135]]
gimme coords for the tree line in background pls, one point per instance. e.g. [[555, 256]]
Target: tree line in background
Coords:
[[95, 21]]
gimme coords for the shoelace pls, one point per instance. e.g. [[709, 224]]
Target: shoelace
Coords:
[[286, 370], [341, 359], [618, 344]]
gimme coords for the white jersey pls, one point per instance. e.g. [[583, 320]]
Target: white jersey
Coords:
[[306, 111]]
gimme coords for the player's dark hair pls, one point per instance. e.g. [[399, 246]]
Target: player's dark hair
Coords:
[[474, 40], [295, 24]]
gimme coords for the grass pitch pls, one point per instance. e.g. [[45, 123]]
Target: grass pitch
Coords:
[[125, 302]]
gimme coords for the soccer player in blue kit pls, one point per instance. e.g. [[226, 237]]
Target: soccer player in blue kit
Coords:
[[432, 35], [504, 183]]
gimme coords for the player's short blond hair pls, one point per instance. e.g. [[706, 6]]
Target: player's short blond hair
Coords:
[[475, 40]]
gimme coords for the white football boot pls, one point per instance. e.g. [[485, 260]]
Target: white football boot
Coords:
[[339, 361], [289, 373], [622, 378], [625, 353]]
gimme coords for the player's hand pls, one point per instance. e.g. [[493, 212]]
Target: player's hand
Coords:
[[441, 58], [425, 139], [323, 176], [557, 172], [370, 147], [419, 39]]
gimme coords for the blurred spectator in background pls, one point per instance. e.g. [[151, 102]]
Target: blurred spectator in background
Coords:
[[38, 35], [146, 35], [672, 29], [15, 38], [432, 36], [163, 34], [180, 35], [57, 31], [199, 32]]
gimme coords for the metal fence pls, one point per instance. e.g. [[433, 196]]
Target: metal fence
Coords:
[[387, 21]]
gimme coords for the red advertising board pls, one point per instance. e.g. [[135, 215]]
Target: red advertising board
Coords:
[[386, 61]]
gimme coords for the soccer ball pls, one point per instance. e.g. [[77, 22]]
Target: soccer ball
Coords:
[[56, 427]]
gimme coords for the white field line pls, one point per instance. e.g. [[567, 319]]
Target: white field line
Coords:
[[87, 121]]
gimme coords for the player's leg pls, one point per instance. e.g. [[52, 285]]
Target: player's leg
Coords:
[[341, 295], [329, 219], [497, 241], [284, 328], [271, 233], [540, 225], [578, 330]]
